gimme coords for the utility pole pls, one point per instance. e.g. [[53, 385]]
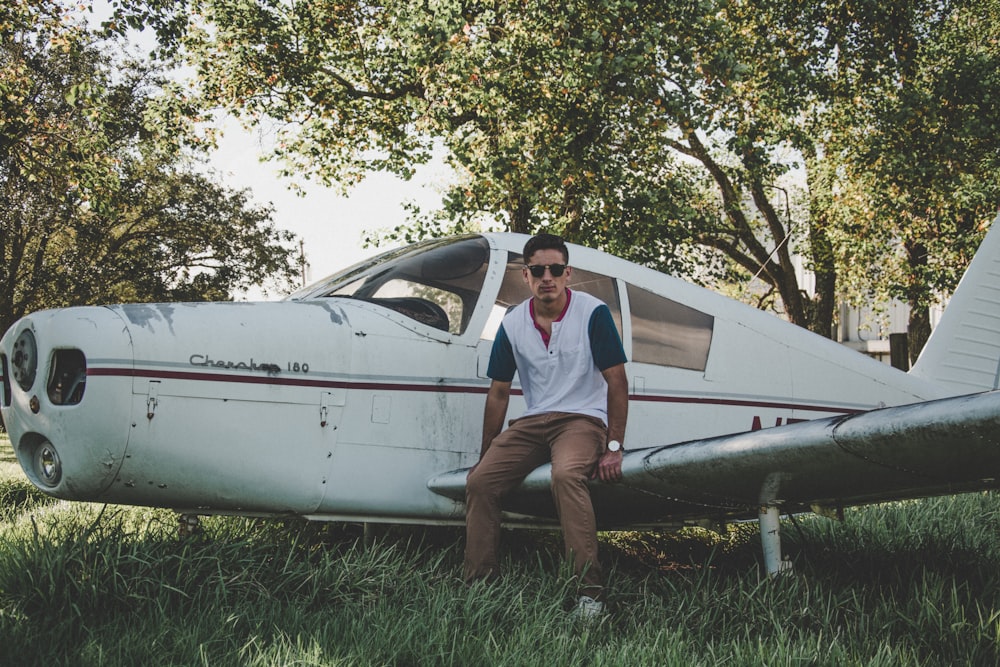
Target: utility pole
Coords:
[[302, 260]]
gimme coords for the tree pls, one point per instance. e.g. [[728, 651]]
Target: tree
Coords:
[[587, 117], [98, 200], [665, 132], [918, 144]]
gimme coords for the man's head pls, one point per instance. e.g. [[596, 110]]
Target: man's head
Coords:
[[545, 242], [545, 267]]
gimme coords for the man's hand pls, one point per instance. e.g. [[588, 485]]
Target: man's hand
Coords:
[[609, 467]]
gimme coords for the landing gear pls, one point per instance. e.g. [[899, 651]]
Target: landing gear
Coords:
[[770, 538]]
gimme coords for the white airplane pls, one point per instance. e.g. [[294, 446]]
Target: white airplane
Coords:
[[360, 398]]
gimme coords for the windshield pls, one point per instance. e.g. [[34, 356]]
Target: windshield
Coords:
[[436, 283]]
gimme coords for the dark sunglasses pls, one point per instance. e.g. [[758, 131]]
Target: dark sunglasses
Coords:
[[538, 270]]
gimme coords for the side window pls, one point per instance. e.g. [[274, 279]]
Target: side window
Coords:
[[668, 333], [513, 291], [603, 288]]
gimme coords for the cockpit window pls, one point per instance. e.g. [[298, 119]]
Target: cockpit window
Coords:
[[513, 291], [436, 283], [668, 333]]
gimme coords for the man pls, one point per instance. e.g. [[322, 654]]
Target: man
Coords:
[[569, 357]]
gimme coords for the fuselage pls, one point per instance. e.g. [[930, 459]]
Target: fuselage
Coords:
[[342, 401]]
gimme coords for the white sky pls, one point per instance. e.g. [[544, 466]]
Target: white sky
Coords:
[[330, 225]]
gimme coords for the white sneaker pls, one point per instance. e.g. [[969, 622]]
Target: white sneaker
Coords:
[[589, 609]]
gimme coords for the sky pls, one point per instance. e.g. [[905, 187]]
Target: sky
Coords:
[[331, 226]]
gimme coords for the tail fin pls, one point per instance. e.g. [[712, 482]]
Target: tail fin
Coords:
[[963, 352]]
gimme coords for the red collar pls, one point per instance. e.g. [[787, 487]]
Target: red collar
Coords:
[[546, 337]]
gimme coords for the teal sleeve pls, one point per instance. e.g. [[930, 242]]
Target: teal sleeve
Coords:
[[502, 365], [605, 343]]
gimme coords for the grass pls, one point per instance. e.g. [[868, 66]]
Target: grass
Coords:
[[913, 583]]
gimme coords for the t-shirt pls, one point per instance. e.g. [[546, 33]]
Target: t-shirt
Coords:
[[563, 375]]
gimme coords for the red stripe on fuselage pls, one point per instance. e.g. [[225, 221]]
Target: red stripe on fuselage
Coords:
[[441, 388], [280, 381], [743, 403]]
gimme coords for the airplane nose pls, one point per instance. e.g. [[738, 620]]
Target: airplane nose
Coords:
[[69, 435]]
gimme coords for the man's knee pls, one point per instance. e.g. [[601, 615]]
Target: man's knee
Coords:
[[473, 483], [568, 478], [478, 485]]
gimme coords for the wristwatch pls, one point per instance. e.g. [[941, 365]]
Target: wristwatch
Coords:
[[614, 446]]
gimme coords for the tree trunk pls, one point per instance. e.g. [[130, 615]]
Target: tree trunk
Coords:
[[918, 330], [820, 248], [919, 326]]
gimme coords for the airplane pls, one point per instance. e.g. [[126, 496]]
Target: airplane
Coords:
[[360, 398]]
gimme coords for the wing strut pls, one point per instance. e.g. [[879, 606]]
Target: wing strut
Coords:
[[770, 538]]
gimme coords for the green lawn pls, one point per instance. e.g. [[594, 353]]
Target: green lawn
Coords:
[[8, 462], [914, 583]]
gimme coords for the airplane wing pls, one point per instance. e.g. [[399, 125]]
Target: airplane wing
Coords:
[[937, 447]]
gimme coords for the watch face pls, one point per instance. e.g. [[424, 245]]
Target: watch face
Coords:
[[614, 446]]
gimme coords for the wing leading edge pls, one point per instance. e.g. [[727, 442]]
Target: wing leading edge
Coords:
[[932, 448]]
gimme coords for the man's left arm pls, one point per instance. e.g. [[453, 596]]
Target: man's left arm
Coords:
[[609, 466]]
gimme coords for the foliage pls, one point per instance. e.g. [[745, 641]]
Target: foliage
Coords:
[[919, 147], [713, 138], [904, 583], [590, 117], [99, 197]]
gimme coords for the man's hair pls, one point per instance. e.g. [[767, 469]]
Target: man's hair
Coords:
[[545, 242]]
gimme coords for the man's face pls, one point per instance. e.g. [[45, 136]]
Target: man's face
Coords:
[[547, 288]]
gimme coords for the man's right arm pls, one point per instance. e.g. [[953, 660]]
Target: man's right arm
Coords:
[[497, 399]]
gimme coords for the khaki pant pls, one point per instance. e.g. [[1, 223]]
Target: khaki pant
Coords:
[[573, 443]]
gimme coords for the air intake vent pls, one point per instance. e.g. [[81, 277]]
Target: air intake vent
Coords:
[[68, 378]]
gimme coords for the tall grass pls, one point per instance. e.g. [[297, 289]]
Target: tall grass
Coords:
[[909, 583]]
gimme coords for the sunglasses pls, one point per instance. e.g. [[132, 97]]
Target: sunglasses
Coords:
[[538, 270]]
